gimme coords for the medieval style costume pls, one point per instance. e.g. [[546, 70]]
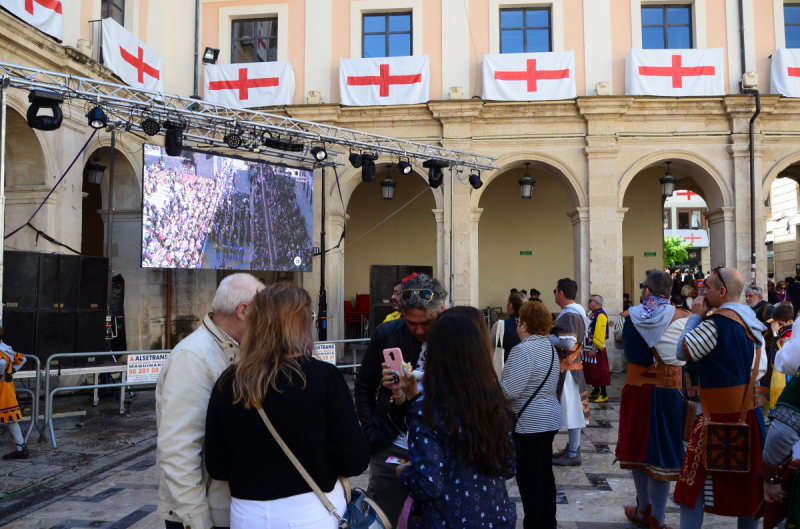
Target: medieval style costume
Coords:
[[595, 366], [774, 380], [651, 406], [10, 362], [728, 347], [567, 336]]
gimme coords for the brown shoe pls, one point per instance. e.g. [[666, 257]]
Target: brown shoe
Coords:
[[632, 514], [561, 453], [18, 454], [566, 461]]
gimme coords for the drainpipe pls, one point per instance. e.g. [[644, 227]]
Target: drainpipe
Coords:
[[741, 37], [197, 49], [753, 187]]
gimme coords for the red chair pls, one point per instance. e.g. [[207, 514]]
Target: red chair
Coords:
[[348, 307], [362, 303]]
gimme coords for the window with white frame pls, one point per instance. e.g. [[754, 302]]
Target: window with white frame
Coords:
[[525, 30], [666, 27], [791, 25], [386, 35]]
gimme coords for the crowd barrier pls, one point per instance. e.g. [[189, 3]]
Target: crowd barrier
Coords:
[[34, 393]]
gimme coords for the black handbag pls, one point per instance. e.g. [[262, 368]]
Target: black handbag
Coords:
[[521, 411]]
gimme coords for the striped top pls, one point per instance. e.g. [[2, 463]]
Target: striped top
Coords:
[[525, 369]]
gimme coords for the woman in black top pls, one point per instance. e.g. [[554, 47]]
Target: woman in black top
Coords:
[[306, 400]]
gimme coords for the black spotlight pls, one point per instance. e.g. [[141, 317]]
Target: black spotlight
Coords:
[[97, 118], [319, 153], [150, 127], [233, 140], [475, 179], [355, 160], [368, 167], [44, 99], [404, 166], [173, 142], [283, 144], [210, 55], [435, 175]]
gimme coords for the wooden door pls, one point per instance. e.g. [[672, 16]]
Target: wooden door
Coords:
[[627, 279]]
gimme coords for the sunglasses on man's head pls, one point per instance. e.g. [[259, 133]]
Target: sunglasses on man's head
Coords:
[[422, 293], [719, 275]]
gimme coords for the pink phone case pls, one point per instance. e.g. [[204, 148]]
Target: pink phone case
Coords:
[[394, 357]]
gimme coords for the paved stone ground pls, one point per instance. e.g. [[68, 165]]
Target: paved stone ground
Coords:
[[102, 474]]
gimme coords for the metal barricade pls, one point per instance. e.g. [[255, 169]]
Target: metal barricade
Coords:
[[351, 340], [37, 375]]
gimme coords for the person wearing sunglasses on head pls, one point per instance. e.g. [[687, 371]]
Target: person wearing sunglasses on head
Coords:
[[421, 300]]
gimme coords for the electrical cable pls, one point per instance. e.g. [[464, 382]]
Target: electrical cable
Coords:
[[387, 218]]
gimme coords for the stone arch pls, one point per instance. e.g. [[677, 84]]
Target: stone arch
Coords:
[[717, 190], [127, 171], [774, 172], [49, 165], [543, 162]]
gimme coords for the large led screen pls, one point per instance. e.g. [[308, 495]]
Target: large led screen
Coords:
[[203, 210]]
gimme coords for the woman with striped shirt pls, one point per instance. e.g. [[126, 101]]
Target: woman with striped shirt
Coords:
[[526, 370]]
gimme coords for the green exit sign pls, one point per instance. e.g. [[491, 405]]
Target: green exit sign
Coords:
[[526, 253], [649, 254]]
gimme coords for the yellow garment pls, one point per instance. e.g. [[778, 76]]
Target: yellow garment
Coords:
[[599, 337], [777, 382], [9, 408], [396, 315]]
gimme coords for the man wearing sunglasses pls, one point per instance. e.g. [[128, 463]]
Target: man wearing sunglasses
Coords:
[[421, 300], [725, 343], [650, 442]]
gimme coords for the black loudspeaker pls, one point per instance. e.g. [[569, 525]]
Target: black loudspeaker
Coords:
[[91, 336], [20, 273], [93, 293], [55, 333], [58, 282], [381, 279], [19, 330]]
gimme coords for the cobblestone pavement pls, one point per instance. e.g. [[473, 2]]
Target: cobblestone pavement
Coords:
[[102, 475]]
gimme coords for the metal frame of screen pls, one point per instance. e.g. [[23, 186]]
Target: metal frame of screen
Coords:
[[212, 152]]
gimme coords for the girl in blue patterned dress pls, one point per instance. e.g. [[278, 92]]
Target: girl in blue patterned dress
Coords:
[[459, 437]]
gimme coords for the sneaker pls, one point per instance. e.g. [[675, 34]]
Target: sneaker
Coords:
[[567, 461], [594, 394], [601, 399], [560, 453], [18, 454]]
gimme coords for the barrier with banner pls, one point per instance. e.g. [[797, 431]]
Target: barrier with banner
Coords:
[[145, 367]]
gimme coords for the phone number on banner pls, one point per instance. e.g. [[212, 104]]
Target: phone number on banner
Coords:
[[145, 368]]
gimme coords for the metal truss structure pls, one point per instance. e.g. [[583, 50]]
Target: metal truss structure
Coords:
[[207, 123]]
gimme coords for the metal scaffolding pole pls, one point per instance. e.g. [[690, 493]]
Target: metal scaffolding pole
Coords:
[[4, 82]]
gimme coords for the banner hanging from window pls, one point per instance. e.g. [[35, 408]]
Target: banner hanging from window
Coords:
[[134, 61], [384, 81], [675, 73], [45, 15], [786, 72], [546, 76], [256, 84]]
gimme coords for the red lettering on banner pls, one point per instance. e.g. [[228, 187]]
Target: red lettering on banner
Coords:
[[138, 63], [676, 71], [55, 5], [384, 80], [244, 84], [531, 74], [687, 194]]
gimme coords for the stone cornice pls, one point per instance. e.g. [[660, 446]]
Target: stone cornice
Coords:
[[602, 147], [319, 113], [742, 149], [604, 107], [578, 215], [475, 214], [438, 215], [460, 109], [722, 214]]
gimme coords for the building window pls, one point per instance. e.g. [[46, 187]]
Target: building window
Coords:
[[667, 27], [113, 9], [791, 21], [691, 219], [386, 35], [667, 219], [254, 40], [525, 30]]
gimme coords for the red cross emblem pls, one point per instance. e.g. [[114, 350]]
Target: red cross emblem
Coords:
[[676, 71], [687, 194], [531, 74], [55, 5], [692, 238], [384, 80], [243, 84], [794, 72], [138, 63]]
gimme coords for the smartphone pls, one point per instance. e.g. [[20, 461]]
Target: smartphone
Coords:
[[394, 357]]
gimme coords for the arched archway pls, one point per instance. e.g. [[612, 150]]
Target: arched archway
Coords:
[[781, 192]]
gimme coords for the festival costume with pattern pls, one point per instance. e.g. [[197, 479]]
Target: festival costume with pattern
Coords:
[[777, 344], [725, 356], [595, 370], [568, 335], [11, 362]]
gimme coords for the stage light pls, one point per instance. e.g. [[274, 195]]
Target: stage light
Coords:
[[234, 141], [97, 118], [404, 167], [173, 143], [435, 175], [355, 160], [283, 144], [387, 185], [95, 171], [319, 153], [526, 184], [475, 179], [43, 99], [368, 167], [210, 55], [668, 183], [150, 127]]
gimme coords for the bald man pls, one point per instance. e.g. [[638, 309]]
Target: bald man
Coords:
[[724, 338]]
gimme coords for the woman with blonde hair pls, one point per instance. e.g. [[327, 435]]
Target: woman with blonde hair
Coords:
[[306, 400]]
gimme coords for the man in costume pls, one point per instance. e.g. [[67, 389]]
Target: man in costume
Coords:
[[595, 358], [10, 363], [651, 406], [397, 288], [567, 336], [724, 338], [754, 297]]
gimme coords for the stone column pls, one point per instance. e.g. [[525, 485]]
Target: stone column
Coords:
[[472, 234], [580, 238], [722, 236], [334, 276], [438, 215]]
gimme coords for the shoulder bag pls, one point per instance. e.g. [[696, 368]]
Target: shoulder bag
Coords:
[[517, 416], [362, 512], [498, 358]]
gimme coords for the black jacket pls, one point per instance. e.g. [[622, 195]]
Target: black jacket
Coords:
[[373, 413]]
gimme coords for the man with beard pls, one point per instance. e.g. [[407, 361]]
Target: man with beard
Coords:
[[754, 297]]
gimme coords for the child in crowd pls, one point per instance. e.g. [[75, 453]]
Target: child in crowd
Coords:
[[10, 362]]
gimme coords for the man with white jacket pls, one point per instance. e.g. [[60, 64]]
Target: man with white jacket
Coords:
[[187, 496]]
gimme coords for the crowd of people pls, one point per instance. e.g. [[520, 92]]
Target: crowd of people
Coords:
[[472, 407]]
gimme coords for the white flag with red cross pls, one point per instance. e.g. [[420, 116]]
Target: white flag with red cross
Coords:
[[45, 15], [675, 73], [134, 61], [255, 84], [786, 72], [385, 81], [529, 76]]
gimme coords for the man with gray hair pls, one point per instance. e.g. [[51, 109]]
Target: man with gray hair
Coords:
[[421, 300], [187, 496], [754, 297]]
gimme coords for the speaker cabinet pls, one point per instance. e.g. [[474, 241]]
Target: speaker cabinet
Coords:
[[58, 282], [55, 333], [93, 283], [19, 331], [20, 274], [91, 336]]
